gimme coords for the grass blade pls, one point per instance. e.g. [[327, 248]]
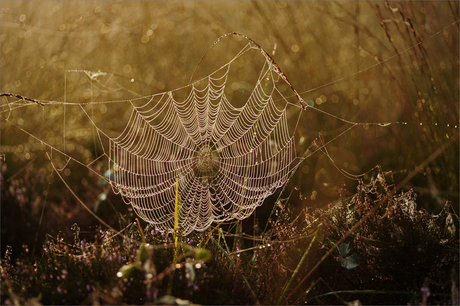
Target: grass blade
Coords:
[[234, 265], [298, 266]]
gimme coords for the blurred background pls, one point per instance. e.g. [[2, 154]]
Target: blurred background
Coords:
[[375, 62]]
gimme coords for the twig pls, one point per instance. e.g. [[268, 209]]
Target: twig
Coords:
[[21, 97]]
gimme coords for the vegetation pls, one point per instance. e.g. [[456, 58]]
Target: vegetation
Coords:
[[389, 252], [390, 236]]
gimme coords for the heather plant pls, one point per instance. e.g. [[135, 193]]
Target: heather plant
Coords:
[[114, 269], [375, 83], [399, 254], [394, 248]]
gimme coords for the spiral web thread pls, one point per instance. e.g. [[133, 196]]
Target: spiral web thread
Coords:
[[228, 159]]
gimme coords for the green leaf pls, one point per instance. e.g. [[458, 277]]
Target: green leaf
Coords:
[[344, 249], [127, 270], [349, 262], [143, 253], [202, 254], [199, 254], [171, 300]]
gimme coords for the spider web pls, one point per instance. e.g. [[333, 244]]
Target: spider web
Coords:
[[228, 143], [227, 159], [228, 140]]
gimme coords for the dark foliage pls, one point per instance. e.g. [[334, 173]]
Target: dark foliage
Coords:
[[398, 254]]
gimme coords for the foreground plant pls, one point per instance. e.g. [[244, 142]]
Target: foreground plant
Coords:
[[112, 270], [396, 253]]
